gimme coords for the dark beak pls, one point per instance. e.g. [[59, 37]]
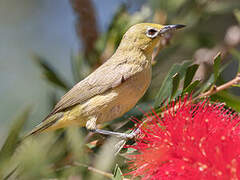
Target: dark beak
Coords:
[[170, 28]]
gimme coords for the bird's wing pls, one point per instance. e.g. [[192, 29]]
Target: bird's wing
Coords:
[[104, 78]]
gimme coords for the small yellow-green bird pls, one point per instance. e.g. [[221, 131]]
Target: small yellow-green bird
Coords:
[[112, 89]]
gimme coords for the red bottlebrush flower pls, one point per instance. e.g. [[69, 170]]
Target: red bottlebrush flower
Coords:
[[196, 141]]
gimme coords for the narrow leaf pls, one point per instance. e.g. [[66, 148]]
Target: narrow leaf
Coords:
[[12, 140], [210, 82], [236, 85], [119, 13], [230, 99], [50, 74], [236, 54], [107, 152], [166, 87], [216, 66], [189, 89], [75, 68], [237, 15], [80, 68], [191, 70], [175, 84], [117, 174]]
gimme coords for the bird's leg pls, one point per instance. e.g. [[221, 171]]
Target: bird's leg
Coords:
[[92, 126]]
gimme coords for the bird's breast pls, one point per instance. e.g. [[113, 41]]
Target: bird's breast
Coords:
[[124, 97], [116, 101]]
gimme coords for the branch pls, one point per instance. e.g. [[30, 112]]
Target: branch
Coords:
[[109, 175], [213, 90], [210, 92], [77, 164], [216, 89]]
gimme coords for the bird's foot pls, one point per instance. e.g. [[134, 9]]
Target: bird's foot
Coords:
[[117, 134], [124, 136]]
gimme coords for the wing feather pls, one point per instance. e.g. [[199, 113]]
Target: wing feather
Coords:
[[104, 78]]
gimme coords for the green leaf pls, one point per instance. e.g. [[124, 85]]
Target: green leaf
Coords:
[[75, 68], [80, 68], [237, 15], [236, 85], [13, 135], [230, 99], [216, 66], [175, 84], [12, 139], [117, 173], [191, 70], [118, 14], [236, 54], [166, 87], [118, 26], [210, 82], [10, 173], [49, 73], [189, 89]]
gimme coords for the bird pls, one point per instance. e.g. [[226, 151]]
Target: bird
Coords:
[[113, 88]]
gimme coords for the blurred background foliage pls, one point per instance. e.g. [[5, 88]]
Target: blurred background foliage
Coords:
[[48, 46]]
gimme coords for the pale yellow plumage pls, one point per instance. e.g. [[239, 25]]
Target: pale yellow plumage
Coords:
[[112, 89]]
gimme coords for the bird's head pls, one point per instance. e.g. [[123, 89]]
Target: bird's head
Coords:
[[145, 36]]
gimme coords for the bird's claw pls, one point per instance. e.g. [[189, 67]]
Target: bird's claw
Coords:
[[131, 135]]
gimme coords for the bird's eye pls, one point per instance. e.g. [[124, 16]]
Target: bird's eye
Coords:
[[152, 33]]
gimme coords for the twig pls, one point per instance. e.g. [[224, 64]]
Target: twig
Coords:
[[78, 164], [109, 175], [216, 89], [210, 92]]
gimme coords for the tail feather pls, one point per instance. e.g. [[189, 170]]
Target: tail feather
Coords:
[[44, 125]]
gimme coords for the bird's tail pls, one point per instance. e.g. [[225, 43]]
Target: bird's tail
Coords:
[[43, 126]]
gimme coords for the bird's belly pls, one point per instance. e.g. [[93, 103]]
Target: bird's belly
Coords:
[[115, 102]]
